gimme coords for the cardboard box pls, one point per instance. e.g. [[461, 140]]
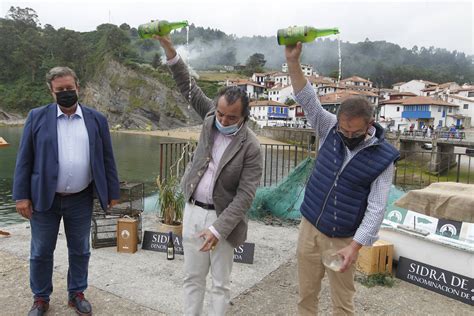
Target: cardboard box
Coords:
[[375, 259], [127, 238]]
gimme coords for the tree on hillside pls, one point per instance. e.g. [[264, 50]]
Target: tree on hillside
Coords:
[[201, 34], [257, 60], [22, 41], [133, 32], [145, 45], [114, 41], [156, 62], [255, 63], [124, 27], [334, 73], [27, 16]]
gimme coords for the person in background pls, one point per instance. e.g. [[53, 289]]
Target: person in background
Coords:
[[65, 155], [452, 132], [430, 131], [219, 186], [346, 195]]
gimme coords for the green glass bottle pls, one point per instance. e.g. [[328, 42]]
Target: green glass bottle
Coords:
[[170, 247], [304, 34], [159, 27]]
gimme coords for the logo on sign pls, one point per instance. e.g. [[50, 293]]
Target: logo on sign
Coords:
[[448, 230], [422, 220], [395, 216], [125, 234]]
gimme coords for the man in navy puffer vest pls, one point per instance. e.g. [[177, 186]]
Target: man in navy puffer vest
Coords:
[[346, 195]]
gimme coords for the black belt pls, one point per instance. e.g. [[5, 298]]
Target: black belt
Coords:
[[203, 205]]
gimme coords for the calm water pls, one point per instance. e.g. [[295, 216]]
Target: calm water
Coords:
[[136, 156]]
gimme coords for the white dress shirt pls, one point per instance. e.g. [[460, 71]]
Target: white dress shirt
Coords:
[[74, 173]]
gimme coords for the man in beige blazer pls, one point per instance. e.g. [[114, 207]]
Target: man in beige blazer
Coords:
[[219, 185]]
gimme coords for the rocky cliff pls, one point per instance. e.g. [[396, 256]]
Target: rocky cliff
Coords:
[[132, 99]]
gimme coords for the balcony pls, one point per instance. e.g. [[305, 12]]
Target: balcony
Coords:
[[416, 114], [277, 115]]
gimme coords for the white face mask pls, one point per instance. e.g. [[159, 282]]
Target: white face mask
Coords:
[[226, 130]]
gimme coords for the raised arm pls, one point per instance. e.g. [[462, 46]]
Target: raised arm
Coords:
[[321, 120], [198, 100], [292, 54]]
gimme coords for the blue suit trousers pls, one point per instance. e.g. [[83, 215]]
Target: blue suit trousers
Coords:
[[76, 212]]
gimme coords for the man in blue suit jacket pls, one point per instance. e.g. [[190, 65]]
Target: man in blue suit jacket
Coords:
[[65, 155]]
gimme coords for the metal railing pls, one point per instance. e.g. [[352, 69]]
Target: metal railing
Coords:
[[418, 169], [413, 170], [278, 160], [436, 134], [174, 157]]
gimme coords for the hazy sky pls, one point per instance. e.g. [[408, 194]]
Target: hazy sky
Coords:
[[444, 24]]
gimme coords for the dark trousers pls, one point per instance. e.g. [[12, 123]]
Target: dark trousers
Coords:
[[76, 212]]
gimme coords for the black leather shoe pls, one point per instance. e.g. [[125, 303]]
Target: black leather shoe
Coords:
[[39, 308], [80, 304]]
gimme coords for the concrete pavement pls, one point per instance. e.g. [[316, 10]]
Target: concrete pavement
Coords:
[[144, 283]]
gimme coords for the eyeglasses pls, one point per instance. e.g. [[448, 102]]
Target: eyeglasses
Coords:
[[348, 134]]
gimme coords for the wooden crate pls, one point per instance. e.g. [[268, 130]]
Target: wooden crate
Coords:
[[375, 259]]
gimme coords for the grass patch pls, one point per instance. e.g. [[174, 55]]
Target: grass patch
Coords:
[[210, 88], [379, 279], [219, 76], [417, 172]]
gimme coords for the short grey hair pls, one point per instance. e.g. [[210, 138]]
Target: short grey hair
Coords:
[[356, 107], [58, 72]]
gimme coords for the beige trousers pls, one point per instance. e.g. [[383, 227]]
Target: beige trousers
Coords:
[[311, 244], [197, 265]]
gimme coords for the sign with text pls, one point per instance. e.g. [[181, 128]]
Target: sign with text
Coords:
[[441, 281], [157, 242]]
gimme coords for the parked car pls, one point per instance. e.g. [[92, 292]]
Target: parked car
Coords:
[[427, 146]]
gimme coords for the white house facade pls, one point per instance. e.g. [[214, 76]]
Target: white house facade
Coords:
[[357, 81], [282, 78], [416, 86], [252, 89], [280, 93], [269, 113], [418, 111], [306, 68], [465, 111]]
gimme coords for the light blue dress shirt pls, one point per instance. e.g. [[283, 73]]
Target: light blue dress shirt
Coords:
[[73, 152]]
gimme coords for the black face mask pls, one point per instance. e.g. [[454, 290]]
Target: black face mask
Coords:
[[352, 143], [66, 98]]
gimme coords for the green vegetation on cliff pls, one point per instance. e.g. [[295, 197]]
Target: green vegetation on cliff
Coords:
[[28, 50]]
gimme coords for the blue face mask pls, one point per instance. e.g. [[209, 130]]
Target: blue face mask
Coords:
[[226, 130]]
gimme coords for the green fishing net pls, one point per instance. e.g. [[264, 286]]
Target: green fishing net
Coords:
[[284, 199]]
